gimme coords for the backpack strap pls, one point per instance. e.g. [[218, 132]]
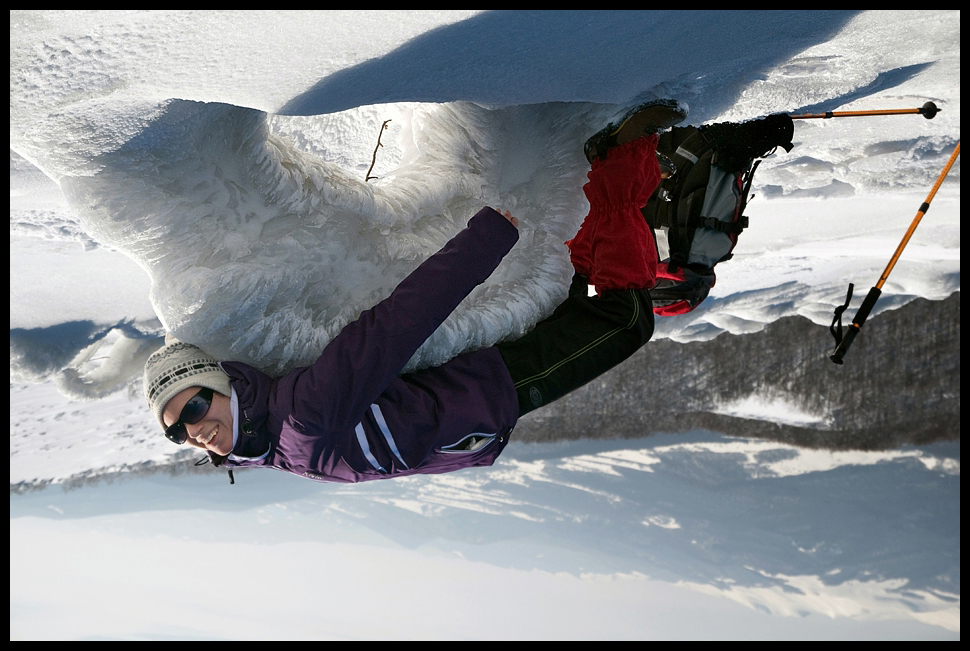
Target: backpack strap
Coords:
[[692, 153], [724, 227]]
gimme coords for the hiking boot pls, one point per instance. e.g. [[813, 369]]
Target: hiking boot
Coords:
[[651, 117]]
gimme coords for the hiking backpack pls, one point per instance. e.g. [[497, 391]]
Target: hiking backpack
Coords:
[[700, 209]]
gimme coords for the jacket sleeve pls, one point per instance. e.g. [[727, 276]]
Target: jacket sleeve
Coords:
[[360, 362]]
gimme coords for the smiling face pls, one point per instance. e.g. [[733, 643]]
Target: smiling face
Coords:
[[214, 431]]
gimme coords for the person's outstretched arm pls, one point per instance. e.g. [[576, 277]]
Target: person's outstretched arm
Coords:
[[357, 365]]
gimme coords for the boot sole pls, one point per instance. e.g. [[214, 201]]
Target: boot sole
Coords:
[[647, 119], [641, 120]]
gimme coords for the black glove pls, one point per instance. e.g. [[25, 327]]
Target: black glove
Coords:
[[738, 143]]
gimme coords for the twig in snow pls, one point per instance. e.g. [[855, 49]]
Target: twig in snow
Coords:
[[368, 177]]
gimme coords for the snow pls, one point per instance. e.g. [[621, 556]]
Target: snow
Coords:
[[204, 173], [676, 536]]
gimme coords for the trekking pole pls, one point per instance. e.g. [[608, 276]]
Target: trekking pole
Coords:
[[928, 111], [842, 343]]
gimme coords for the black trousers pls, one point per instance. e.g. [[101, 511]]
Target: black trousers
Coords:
[[585, 337]]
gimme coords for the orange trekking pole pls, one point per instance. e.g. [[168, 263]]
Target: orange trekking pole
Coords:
[[928, 111], [843, 343]]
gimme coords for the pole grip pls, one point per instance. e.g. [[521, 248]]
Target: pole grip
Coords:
[[857, 323], [843, 346]]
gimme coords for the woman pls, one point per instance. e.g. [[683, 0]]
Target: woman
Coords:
[[350, 417]]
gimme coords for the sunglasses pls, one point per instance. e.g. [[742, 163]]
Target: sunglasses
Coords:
[[193, 411]]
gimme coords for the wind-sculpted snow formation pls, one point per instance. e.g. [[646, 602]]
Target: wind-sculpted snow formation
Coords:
[[261, 251]]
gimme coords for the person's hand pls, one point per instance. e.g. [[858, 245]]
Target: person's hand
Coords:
[[508, 216]]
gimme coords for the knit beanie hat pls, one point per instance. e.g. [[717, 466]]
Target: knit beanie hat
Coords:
[[176, 367]]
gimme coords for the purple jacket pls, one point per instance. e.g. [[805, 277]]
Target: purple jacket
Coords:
[[350, 417]]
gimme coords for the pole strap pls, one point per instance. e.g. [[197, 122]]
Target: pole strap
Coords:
[[837, 333]]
